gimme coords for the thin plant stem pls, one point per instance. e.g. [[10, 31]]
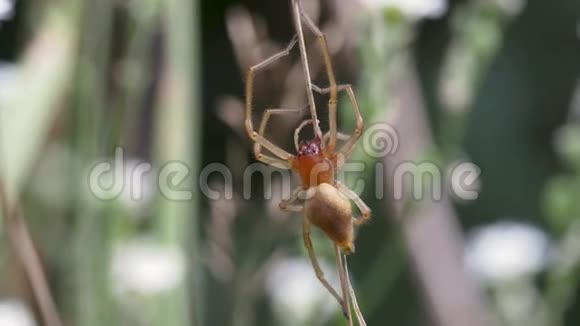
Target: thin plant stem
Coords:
[[343, 284], [24, 248], [177, 138], [357, 311], [296, 9], [91, 251]]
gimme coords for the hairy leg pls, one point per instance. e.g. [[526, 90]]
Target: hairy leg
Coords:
[[298, 130], [314, 260], [364, 209], [348, 147], [283, 159], [261, 133], [332, 101], [288, 204]]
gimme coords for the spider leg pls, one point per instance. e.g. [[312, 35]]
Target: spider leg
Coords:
[[287, 204], [364, 209], [298, 130], [339, 135], [348, 147], [262, 130], [314, 261], [332, 101], [297, 14], [340, 158], [283, 159]]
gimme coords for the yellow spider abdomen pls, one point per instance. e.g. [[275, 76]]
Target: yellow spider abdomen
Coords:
[[329, 210]]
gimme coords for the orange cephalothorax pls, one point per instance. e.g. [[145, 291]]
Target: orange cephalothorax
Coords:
[[312, 165]]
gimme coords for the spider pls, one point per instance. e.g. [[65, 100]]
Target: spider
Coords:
[[325, 200]]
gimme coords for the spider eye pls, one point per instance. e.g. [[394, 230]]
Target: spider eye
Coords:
[[314, 148]]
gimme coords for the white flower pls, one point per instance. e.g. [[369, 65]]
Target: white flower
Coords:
[[15, 313], [145, 267], [506, 251], [6, 9], [297, 295], [511, 7], [414, 9]]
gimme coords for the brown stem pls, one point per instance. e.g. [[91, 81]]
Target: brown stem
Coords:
[[431, 230], [23, 246]]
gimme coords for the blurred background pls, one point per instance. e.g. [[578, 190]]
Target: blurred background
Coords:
[[93, 91]]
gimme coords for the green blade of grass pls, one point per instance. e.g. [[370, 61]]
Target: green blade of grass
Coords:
[[177, 137]]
